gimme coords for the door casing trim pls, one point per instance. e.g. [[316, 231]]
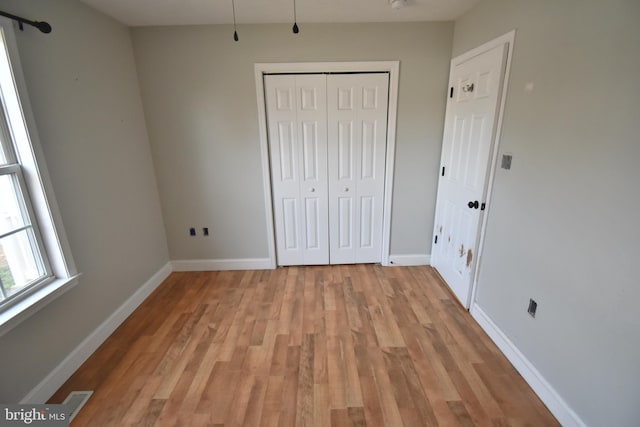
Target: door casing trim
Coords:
[[391, 67]]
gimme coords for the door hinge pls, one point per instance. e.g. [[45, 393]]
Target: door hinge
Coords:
[[436, 240], [443, 171], [451, 92]]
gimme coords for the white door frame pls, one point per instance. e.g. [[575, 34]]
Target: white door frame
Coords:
[[391, 67], [509, 39]]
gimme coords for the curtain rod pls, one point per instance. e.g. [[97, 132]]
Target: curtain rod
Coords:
[[41, 25]]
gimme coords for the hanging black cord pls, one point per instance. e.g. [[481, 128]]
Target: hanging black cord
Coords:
[[295, 28], [41, 25], [235, 32]]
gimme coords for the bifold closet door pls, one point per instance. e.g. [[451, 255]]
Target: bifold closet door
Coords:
[[327, 147], [297, 130], [357, 136]]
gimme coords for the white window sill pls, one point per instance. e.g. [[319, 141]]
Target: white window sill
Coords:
[[14, 315]]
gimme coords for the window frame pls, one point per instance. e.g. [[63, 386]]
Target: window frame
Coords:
[[29, 169], [14, 171]]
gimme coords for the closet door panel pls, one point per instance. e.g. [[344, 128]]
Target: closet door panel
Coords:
[[297, 131], [357, 132]]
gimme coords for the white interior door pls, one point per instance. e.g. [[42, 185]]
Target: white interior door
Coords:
[[357, 122], [297, 129], [470, 127]]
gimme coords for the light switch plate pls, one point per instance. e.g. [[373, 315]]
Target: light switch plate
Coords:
[[506, 161]]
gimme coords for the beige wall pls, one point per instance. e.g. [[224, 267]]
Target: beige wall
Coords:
[[200, 103], [563, 226], [85, 98]]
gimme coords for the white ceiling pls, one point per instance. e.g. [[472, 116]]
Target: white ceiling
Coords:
[[193, 12]]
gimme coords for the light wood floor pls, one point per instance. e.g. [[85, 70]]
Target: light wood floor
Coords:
[[331, 345]]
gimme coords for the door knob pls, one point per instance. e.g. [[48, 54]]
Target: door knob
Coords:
[[473, 205], [346, 189], [313, 190]]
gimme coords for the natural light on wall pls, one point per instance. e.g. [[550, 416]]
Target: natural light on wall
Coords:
[[35, 261]]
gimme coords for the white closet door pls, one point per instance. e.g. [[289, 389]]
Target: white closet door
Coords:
[[297, 121], [357, 123]]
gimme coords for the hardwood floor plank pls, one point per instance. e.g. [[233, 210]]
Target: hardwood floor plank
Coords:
[[288, 300], [308, 310], [218, 392], [172, 407], [371, 403], [147, 417], [289, 403], [390, 412], [304, 398], [256, 402], [429, 380], [478, 387], [410, 417], [350, 345], [319, 305], [320, 358], [420, 400], [339, 417], [353, 391], [321, 405], [144, 407], [239, 407], [279, 358], [296, 320], [336, 373], [272, 403], [351, 305]]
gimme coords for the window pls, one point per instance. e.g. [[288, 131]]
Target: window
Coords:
[[22, 264], [35, 261]]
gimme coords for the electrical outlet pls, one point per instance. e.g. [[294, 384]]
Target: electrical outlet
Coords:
[[192, 231], [533, 306], [205, 231]]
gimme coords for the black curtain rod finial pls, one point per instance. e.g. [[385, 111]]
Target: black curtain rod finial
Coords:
[[41, 25]]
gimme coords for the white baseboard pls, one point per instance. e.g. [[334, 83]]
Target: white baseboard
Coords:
[[406, 260], [222, 264], [558, 407], [52, 382]]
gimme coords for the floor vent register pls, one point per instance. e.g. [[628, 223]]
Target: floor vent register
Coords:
[[75, 401]]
